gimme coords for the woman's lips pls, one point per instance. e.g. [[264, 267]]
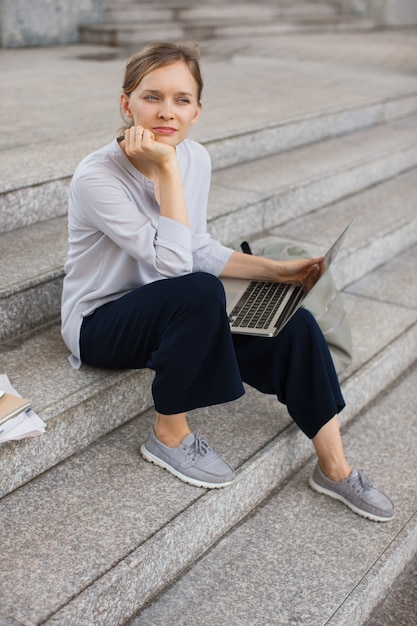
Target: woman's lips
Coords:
[[164, 130]]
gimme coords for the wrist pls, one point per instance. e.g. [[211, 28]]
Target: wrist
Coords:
[[169, 165]]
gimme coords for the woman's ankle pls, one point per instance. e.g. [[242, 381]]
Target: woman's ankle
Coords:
[[171, 429], [335, 471]]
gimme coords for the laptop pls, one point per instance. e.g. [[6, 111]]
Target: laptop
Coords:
[[262, 308]]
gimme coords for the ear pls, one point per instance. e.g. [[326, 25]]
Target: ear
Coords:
[[124, 105], [197, 115]]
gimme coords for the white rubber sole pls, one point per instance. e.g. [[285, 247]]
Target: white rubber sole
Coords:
[[148, 456], [355, 509]]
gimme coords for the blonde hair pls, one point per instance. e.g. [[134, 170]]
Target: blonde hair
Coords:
[[159, 54]]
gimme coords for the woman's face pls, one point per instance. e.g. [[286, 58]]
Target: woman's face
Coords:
[[165, 102]]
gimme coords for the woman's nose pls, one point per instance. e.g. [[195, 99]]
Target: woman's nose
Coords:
[[165, 111]]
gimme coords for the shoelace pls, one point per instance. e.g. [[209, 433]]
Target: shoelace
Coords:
[[199, 446], [361, 482]]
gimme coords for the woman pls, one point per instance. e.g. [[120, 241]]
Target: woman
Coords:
[[142, 289]]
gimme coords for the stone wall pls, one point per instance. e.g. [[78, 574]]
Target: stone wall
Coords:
[[384, 12], [45, 22]]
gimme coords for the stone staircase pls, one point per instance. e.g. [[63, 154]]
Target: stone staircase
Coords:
[[136, 23], [91, 532]]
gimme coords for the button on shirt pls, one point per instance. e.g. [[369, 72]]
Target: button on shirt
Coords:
[[118, 241]]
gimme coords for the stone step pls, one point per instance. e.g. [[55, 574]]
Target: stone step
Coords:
[[127, 34], [398, 605], [136, 23], [114, 531], [312, 24], [303, 559], [387, 51], [308, 178], [140, 11], [214, 12], [284, 4], [288, 185]]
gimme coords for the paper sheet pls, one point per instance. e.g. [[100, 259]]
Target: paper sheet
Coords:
[[26, 424]]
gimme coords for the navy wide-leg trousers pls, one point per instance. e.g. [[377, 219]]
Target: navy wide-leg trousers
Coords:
[[179, 328]]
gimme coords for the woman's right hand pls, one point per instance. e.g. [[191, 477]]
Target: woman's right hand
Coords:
[[252, 267], [140, 142]]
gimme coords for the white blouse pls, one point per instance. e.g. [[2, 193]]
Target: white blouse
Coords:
[[117, 239]]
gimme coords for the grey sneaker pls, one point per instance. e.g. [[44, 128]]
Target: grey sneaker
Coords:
[[193, 461], [357, 492]]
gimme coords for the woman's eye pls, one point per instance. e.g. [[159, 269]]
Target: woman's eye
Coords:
[[154, 98]]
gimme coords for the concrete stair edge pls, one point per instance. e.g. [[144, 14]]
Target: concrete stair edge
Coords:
[[269, 212], [378, 581], [378, 373], [322, 126], [73, 422]]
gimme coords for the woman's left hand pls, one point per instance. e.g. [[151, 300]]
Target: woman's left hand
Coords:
[[301, 271]]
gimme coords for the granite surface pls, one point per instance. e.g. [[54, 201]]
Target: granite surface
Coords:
[[299, 558], [393, 282], [106, 502], [398, 608]]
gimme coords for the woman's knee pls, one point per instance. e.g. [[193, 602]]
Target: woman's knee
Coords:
[[303, 322], [206, 288], [306, 316]]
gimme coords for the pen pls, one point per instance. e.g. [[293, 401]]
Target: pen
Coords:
[[2, 393]]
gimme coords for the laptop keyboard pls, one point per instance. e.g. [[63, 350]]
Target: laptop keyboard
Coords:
[[246, 313]]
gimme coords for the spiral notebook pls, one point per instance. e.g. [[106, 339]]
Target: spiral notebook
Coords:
[[10, 406]]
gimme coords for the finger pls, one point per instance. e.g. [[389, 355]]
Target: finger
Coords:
[[147, 134], [138, 133], [133, 133], [130, 136], [319, 261], [313, 276]]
